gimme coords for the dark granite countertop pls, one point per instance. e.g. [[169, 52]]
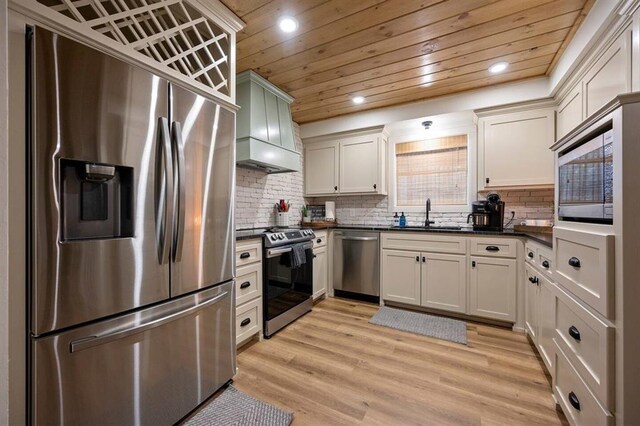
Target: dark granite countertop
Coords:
[[545, 239]]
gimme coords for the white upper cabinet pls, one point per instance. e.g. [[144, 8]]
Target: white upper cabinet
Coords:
[[605, 75], [321, 168], [609, 76], [513, 147], [357, 156], [570, 111], [346, 163]]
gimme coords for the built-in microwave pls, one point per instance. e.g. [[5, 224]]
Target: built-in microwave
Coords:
[[585, 180]]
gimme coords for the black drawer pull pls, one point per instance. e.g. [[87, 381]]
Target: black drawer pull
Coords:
[[575, 262], [318, 241], [315, 255], [545, 264], [245, 255], [424, 259], [245, 322], [375, 186], [532, 280], [245, 284], [492, 248], [574, 332], [335, 188], [417, 258], [574, 401], [530, 254]]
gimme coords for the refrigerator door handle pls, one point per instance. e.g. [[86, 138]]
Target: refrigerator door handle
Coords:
[[92, 341], [164, 189], [178, 147]]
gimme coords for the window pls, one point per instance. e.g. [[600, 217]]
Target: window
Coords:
[[435, 168]]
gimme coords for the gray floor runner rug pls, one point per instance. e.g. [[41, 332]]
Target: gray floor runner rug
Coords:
[[234, 408], [427, 325]]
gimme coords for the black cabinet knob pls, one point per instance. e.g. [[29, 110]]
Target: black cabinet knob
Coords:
[[335, 188], [575, 262], [318, 241], [574, 401], [473, 264], [545, 264], [424, 259], [492, 248], [375, 186], [245, 284], [245, 255], [531, 280], [315, 255], [417, 258], [245, 322], [574, 332], [530, 254]]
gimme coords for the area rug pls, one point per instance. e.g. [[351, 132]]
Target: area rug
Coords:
[[234, 408], [419, 323]]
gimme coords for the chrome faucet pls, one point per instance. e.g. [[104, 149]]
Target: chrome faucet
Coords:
[[428, 222]]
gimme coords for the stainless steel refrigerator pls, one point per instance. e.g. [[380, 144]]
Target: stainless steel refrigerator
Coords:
[[131, 240]]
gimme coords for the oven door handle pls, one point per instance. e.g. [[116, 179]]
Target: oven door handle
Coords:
[[278, 251]]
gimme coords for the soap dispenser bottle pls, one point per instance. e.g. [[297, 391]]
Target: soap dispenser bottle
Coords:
[[396, 220], [403, 220]]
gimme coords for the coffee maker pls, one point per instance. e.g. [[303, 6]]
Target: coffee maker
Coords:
[[487, 215]]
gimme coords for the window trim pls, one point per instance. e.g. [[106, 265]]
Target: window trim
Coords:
[[472, 180]]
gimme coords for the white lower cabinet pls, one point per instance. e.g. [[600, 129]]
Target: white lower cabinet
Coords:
[[546, 323], [492, 288], [401, 276], [320, 271], [248, 290], [444, 282], [540, 313], [531, 303]]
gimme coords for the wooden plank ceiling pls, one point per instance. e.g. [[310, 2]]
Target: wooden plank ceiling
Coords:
[[398, 51]]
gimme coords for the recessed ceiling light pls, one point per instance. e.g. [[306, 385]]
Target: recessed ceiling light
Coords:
[[288, 24], [357, 100], [498, 67]]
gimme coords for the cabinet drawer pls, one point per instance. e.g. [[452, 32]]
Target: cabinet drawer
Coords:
[[424, 242], [588, 343], [568, 388], [584, 266], [531, 253], [248, 320], [248, 283], [545, 262], [320, 240], [249, 251], [494, 247]]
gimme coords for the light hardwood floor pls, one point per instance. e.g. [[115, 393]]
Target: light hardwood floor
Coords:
[[332, 367]]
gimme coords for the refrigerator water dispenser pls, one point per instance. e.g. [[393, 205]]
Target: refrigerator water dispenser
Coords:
[[97, 200]]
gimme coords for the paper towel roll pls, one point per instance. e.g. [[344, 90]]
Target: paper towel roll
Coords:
[[330, 210]]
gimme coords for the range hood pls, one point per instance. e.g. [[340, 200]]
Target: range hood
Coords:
[[264, 129]]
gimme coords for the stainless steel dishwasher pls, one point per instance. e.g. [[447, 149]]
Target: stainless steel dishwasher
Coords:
[[356, 264]]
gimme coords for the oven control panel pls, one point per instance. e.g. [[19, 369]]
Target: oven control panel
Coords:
[[287, 236]]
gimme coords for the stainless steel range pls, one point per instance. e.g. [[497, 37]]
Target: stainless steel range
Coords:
[[288, 277]]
